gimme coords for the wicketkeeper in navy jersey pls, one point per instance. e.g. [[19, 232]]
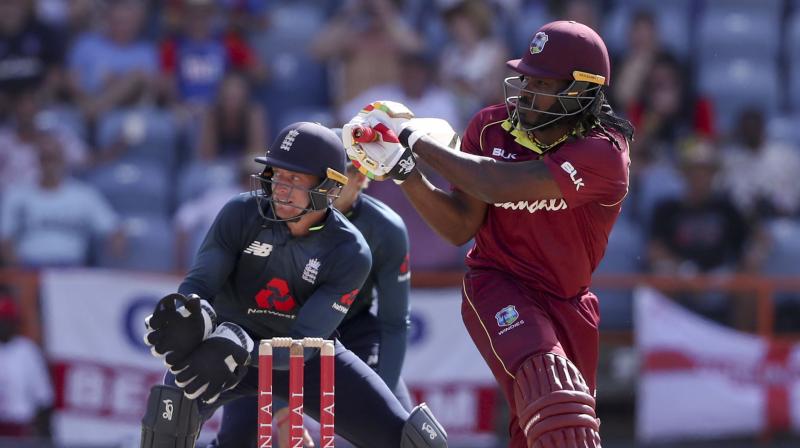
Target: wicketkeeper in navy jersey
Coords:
[[278, 262], [538, 184], [379, 340]]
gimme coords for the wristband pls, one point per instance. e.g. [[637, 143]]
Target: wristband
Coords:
[[408, 136]]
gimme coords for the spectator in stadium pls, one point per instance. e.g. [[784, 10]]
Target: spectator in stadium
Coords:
[[417, 89], [194, 62], [665, 109], [235, 124], [643, 47], [474, 59], [18, 158], [31, 52], [770, 188], [663, 113], [364, 42], [26, 393], [582, 11], [114, 67], [416, 86], [53, 222], [194, 218], [701, 231]]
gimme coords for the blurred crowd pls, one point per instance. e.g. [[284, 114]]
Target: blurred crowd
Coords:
[[126, 124]]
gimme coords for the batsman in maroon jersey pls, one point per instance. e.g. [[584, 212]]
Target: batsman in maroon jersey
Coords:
[[538, 183]]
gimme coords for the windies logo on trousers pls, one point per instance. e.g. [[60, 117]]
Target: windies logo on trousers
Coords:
[[538, 42], [507, 316]]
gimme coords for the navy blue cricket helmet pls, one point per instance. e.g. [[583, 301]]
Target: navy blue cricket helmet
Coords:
[[308, 148]]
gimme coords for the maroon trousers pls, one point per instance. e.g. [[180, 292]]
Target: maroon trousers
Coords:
[[509, 323]]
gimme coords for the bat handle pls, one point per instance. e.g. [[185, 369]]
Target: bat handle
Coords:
[[364, 134]]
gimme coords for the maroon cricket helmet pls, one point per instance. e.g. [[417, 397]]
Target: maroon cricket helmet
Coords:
[[559, 49]]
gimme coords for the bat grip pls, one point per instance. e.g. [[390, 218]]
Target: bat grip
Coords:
[[364, 134]]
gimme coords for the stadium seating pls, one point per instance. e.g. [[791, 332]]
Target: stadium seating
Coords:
[[783, 260], [151, 134], [141, 188], [199, 176], [625, 254], [296, 78], [673, 19], [784, 255], [739, 29], [733, 84], [150, 246]]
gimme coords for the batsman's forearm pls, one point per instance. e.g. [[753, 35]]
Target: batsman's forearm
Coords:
[[460, 169], [486, 179], [445, 215]]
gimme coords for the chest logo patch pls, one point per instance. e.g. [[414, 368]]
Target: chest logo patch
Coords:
[[259, 249], [275, 298], [311, 270]]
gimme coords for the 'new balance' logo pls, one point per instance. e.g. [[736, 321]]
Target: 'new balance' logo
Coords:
[[259, 249]]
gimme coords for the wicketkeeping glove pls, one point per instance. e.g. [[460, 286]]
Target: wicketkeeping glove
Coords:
[[216, 365], [178, 325]]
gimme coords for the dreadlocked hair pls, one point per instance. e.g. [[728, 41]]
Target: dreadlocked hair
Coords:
[[600, 115]]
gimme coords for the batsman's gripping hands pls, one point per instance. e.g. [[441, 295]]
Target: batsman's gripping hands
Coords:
[[216, 365], [378, 141], [177, 326]]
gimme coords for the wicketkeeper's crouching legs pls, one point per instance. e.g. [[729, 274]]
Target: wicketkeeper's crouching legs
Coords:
[[367, 412], [554, 405]]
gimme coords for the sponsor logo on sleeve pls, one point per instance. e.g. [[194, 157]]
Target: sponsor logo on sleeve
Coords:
[[344, 303], [405, 270], [573, 174], [500, 152]]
